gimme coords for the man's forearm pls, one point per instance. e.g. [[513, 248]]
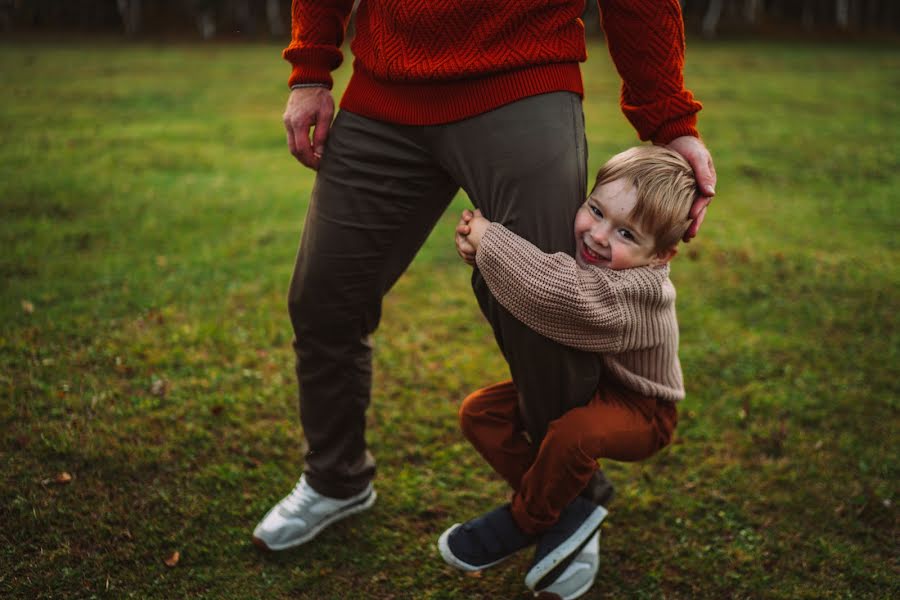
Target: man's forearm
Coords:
[[646, 42]]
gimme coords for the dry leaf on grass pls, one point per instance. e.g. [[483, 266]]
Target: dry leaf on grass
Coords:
[[173, 560], [27, 307], [159, 387], [62, 478]]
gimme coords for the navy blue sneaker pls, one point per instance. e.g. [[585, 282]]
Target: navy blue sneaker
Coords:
[[484, 541], [560, 544]]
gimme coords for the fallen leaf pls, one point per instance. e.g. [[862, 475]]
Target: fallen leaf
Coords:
[[62, 478], [173, 560], [27, 307], [159, 387], [474, 574]]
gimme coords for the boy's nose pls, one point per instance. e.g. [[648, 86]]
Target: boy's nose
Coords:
[[599, 234]]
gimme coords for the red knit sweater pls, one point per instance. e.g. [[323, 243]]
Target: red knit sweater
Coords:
[[425, 62]]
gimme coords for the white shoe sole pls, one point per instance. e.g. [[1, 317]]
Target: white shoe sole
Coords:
[[343, 514], [564, 550], [548, 592]]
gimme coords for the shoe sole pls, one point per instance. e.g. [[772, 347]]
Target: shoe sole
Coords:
[[453, 561], [363, 504], [569, 547], [547, 594]]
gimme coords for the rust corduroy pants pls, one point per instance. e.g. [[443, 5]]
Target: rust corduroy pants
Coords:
[[616, 424]]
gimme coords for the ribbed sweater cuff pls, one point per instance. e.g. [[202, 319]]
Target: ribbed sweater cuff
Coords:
[[310, 74], [312, 64]]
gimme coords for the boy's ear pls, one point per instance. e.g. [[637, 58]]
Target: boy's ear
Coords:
[[663, 257]]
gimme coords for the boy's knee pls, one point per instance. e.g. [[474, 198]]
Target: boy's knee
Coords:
[[567, 437], [468, 412]]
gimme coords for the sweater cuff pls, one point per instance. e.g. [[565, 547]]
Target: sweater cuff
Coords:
[[312, 64], [487, 243], [304, 74]]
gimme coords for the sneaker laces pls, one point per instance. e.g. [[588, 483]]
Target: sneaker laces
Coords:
[[301, 496]]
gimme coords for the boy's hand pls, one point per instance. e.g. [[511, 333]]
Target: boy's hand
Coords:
[[477, 226], [469, 230], [465, 250]]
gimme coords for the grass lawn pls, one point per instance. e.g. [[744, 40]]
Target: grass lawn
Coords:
[[149, 217]]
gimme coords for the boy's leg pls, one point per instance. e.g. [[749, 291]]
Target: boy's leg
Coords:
[[616, 424], [489, 418]]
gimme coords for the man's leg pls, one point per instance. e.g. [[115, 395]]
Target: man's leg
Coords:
[[525, 165], [376, 198]]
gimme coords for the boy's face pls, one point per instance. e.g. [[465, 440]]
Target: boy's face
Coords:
[[604, 235]]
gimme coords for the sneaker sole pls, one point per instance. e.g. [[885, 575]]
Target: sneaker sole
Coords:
[[547, 594], [568, 548], [453, 561], [363, 504]]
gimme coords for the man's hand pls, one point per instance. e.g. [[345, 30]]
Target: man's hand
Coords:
[[694, 151], [469, 231], [307, 108]]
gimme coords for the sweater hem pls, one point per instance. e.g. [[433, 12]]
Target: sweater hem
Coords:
[[441, 102]]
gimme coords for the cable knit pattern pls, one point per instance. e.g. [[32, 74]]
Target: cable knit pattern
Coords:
[[423, 62], [653, 97], [626, 315]]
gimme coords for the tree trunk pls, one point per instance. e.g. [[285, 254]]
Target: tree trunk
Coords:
[[273, 16], [808, 17], [130, 11], [751, 11], [842, 13], [243, 16], [711, 18]]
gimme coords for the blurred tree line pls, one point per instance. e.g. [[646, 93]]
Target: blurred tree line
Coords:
[[271, 18]]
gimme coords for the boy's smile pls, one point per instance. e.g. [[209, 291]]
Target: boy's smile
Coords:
[[605, 235]]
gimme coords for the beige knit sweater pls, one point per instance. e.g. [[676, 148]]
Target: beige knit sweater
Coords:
[[626, 315]]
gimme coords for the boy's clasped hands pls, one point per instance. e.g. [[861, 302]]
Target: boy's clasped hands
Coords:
[[469, 230]]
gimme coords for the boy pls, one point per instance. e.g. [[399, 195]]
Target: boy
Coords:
[[615, 298]]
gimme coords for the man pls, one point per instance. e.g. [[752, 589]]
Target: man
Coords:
[[447, 94]]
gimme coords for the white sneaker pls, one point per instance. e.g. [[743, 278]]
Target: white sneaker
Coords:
[[303, 513], [579, 576]]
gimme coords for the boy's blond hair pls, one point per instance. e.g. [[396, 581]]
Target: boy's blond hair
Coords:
[[666, 189]]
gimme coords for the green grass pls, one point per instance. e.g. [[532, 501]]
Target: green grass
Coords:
[[149, 220]]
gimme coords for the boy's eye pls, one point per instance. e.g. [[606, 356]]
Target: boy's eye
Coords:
[[597, 212], [626, 234]]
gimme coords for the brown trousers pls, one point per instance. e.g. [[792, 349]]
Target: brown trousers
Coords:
[[616, 423], [378, 193]]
